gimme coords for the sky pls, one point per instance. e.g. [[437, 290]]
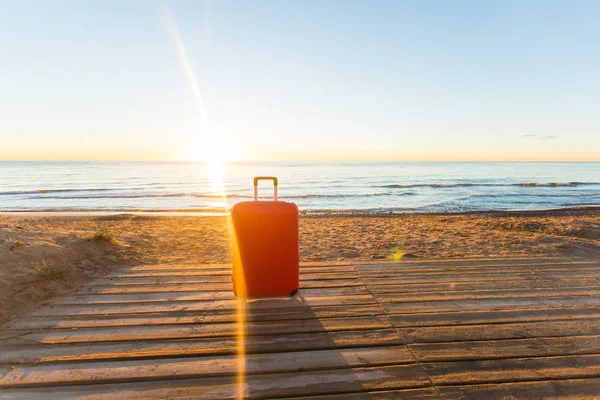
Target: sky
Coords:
[[300, 80]]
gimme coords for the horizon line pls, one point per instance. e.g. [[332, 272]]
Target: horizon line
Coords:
[[309, 161]]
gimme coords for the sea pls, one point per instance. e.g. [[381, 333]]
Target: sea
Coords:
[[316, 187]]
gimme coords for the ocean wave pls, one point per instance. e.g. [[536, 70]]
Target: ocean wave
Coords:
[[596, 204], [359, 211], [45, 191], [208, 210], [144, 195], [344, 196], [522, 184], [532, 195], [551, 184], [217, 196], [433, 185], [434, 209]]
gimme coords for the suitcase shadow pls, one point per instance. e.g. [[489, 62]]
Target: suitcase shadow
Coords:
[[307, 348]]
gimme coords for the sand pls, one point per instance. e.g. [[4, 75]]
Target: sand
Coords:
[[42, 256]]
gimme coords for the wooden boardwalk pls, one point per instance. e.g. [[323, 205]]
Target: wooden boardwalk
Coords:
[[434, 329]]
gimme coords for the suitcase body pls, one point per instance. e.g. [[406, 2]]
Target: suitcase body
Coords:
[[265, 255]]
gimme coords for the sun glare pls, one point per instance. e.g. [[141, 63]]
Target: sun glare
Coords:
[[210, 148]]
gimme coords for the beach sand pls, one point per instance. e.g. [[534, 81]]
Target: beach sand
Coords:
[[42, 256]]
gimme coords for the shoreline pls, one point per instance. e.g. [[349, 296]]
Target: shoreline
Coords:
[[566, 211]]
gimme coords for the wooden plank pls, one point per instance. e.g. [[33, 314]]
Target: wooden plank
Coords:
[[303, 265], [488, 294], [192, 296], [347, 380], [200, 280], [257, 304], [168, 279], [324, 264], [214, 273], [155, 288], [207, 287], [403, 394], [227, 269], [516, 330], [198, 347], [481, 280], [396, 308], [426, 268], [591, 270], [208, 316], [153, 332], [166, 273], [564, 389], [465, 262], [515, 314], [513, 370], [532, 274], [514, 348], [406, 394], [488, 304], [325, 269], [177, 265], [540, 283], [449, 278], [140, 297], [178, 368]]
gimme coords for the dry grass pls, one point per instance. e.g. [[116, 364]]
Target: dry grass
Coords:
[[45, 271], [104, 235], [44, 257]]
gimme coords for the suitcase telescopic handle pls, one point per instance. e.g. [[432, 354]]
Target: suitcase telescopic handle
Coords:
[[264, 178]]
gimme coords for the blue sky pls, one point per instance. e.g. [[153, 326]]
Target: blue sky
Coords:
[[301, 80]]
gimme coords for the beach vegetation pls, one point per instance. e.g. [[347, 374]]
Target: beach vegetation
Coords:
[[103, 235], [47, 271]]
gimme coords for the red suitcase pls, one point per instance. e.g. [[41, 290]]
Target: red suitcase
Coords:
[[265, 246]]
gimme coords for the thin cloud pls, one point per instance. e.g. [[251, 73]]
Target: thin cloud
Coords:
[[533, 136]]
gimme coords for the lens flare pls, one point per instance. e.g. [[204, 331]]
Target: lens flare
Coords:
[[171, 27], [397, 254], [212, 153], [241, 318], [210, 146]]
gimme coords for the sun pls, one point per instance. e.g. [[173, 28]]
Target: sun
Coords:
[[210, 150]]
